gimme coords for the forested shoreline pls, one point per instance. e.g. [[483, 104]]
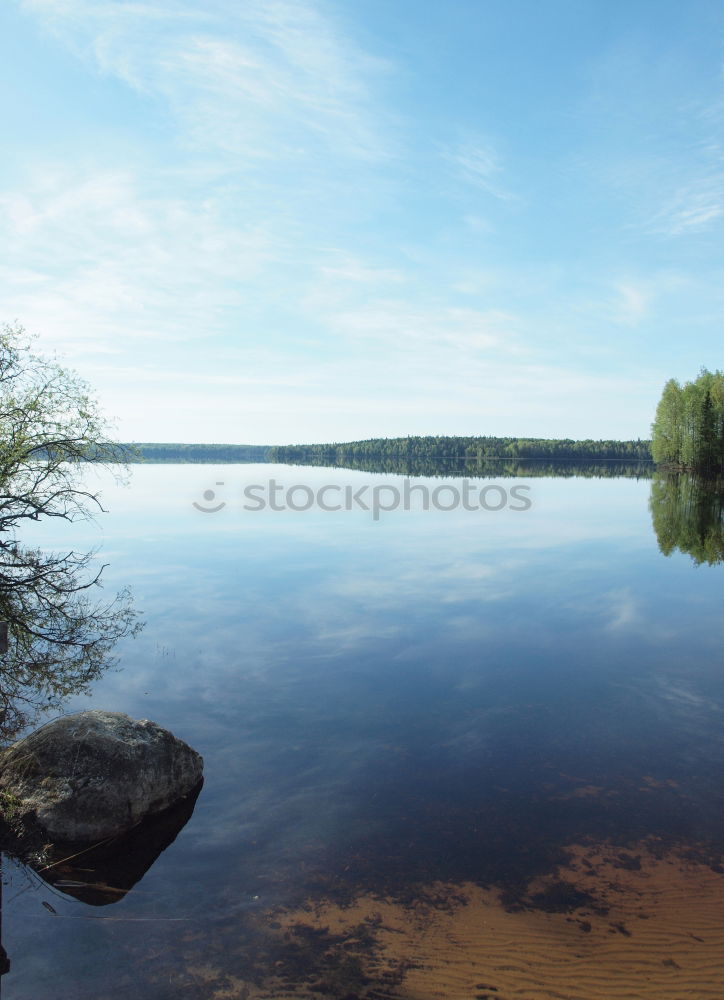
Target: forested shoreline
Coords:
[[415, 455], [158, 452], [462, 450]]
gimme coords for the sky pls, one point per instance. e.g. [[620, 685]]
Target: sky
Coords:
[[284, 221]]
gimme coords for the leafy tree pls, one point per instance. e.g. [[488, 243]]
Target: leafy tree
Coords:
[[667, 431], [49, 424], [688, 432]]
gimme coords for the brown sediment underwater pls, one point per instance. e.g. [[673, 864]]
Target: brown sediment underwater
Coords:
[[611, 923]]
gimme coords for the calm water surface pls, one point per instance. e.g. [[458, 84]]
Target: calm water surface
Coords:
[[384, 704]]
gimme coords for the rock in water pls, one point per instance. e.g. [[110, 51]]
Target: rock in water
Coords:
[[95, 774]]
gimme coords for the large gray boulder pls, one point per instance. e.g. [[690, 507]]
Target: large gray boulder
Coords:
[[95, 774]]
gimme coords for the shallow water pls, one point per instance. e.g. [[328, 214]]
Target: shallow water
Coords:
[[434, 697]]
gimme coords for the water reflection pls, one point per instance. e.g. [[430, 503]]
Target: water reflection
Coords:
[[59, 639], [525, 708], [105, 872], [489, 468], [688, 514]]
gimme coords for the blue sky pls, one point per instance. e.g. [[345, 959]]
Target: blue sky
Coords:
[[273, 221]]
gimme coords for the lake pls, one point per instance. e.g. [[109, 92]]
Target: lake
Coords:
[[448, 753]]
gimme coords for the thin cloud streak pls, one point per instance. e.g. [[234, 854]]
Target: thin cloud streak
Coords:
[[479, 164], [691, 209], [133, 264], [258, 80]]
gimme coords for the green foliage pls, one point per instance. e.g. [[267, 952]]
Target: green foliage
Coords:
[[10, 806], [49, 425], [688, 432]]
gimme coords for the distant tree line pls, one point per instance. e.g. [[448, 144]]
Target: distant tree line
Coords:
[[688, 432], [159, 452], [461, 450]]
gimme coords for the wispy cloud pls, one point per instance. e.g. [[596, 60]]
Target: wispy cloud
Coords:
[[691, 208], [364, 304], [262, 78], [478, 162], [633, 301], [399, 322], [98, 262], [344, 268]]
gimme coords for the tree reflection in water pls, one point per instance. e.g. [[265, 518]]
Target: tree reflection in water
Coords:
[[687, 512], [59, 640], [60, 637]]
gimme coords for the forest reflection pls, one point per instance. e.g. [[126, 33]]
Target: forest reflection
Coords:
[[498, 468], [687, 513]]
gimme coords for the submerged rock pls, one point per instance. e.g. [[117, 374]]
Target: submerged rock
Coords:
[[94, 774]]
